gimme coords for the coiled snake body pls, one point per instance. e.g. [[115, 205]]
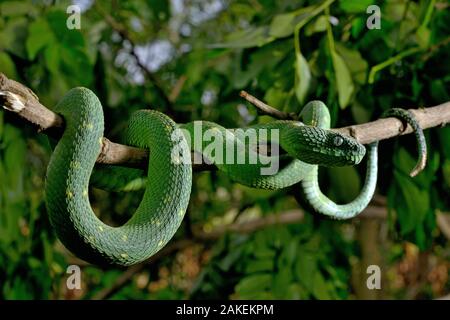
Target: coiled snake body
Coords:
[[168, 187]]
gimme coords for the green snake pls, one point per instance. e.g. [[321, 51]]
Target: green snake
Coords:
[[306, 144]]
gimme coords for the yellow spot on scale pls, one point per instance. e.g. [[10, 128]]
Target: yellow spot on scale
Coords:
[[181, 212], [176, 159], [85, 192], [75, 164], [158, 223], [167, 199], [124, 255], [88, 125], [100, 141], [124, 237], [160, 243], [91, 238], [101, 228], [69, 194]]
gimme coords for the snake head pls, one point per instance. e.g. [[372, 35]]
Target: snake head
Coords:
[[322, 147], [341, 150]]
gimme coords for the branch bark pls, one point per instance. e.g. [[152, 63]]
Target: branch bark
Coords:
[[266, 109], [17, 98]]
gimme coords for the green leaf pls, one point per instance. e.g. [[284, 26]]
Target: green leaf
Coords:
[[276, 97], [281, 281], [344, 81], [260, 266], [254, 283], [320, 289], [352, 6], [15, 152], [34, 263], [305, 268], [423, 36], [295, 292], [356, 64], [319, 25], [7, 66], [358, 26], [411, 202], [264, 252], [51, 55], [248, 38], [283, 25], [290, 251], [39, 36], [302, 77]]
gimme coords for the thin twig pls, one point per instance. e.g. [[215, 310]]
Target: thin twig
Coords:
[[436, 47], [177, 88], [124, 34], [266, 109]]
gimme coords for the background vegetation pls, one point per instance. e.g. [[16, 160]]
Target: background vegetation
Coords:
[[190, 59]]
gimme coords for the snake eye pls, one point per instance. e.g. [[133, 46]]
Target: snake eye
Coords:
[[338, 141]]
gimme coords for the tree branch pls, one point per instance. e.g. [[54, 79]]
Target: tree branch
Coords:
[[381, 129], [369, 132], [17, 98], [266, 109]]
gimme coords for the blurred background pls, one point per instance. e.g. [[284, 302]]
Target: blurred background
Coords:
[[189, 59]]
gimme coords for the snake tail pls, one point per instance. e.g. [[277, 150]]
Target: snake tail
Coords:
[[408, 117]]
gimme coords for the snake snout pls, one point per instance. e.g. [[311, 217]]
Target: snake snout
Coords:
[[359, 152]]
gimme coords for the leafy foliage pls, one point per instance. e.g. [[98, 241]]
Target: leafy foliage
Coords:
[[198, 55]]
